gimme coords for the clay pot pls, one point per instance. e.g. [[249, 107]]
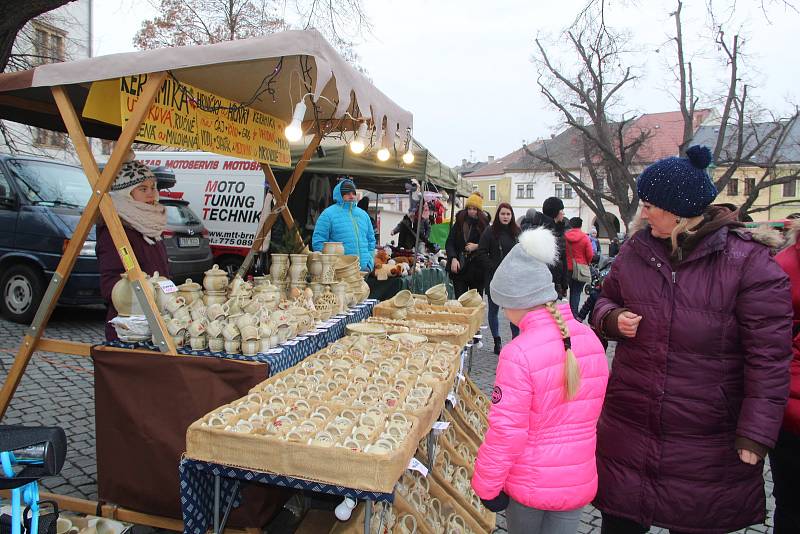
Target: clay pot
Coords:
[[123, 298], [315, 266], [279, 268], [333, 247], [215, 279], [190, 291], [328, 269], [298, 270]]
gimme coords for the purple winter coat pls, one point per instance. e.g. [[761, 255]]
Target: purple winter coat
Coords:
[[709, 363], [151, 258]]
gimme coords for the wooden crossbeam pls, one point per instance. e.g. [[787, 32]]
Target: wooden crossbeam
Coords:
[[281, 197], [99, 201]]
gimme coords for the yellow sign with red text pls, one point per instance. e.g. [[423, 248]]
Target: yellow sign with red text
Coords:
[[188, 117]]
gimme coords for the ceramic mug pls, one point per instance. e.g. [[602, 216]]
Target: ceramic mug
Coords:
[[182, 314], [217, 311], [197, 342], [216, 344], [174, 304], [250, 347]]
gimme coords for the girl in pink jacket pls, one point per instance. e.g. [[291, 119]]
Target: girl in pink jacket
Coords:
[[538, 455]]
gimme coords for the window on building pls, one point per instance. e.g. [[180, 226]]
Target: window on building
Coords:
[[49, 138], [492, 192], [520, 191], [48, 43], [790, 189], [528, 190], [733, 187], [563, 191], [749, 186]]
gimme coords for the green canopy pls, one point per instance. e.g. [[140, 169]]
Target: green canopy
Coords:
[[389, 176]]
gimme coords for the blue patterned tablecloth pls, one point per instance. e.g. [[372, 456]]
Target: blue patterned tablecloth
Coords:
[[197, 490], [288, 354]]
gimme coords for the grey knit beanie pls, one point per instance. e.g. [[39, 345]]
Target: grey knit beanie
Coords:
[[523, 280]]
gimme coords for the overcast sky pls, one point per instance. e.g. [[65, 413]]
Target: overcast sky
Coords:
[[463, 67]]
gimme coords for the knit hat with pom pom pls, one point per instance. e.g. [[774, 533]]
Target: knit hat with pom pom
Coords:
[[679, 185], [523, 279]]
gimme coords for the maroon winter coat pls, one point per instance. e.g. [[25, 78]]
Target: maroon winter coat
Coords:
[[151, 258], [789, 260], [708, 365]]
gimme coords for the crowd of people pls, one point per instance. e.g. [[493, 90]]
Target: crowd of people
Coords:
[[705, 382]]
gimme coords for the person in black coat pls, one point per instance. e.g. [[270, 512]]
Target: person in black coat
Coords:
[[552, 218], [496, 242], [466, 269]]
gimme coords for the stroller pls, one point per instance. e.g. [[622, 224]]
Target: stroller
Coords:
[[599, 271]]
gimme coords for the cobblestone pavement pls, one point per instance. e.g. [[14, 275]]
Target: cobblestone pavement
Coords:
[[59, 390], [484, 364]]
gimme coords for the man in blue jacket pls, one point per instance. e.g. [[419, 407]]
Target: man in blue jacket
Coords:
[[346, 222]]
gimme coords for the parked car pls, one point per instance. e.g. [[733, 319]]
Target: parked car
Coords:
[[41, 201], [188, 247]]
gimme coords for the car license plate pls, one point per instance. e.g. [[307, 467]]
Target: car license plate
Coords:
[[188, 241]]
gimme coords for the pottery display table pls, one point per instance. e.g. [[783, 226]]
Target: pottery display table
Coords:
[[287, 354], [210, 491], [145, 401]]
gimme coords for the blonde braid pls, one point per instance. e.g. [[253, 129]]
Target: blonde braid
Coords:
[[572, 373]]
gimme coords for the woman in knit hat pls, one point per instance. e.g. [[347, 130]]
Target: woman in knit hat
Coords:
[[703, 319], [462, 246], [135, 197], [538, 457]]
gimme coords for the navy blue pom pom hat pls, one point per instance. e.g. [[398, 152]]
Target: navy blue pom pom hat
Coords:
[[680, 186]]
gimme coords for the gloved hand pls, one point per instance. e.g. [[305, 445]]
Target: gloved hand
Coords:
[[498, 504]]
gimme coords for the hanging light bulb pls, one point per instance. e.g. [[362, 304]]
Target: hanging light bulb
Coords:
[[408, 157], [383, 152], [294, 132], [357, 144]]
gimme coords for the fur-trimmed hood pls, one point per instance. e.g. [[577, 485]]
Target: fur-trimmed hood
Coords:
[[720, 216]]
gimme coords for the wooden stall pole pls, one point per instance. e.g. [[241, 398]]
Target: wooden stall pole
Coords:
[[281, 197], [98, 201]]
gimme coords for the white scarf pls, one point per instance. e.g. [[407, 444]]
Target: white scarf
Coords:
[[149, 220]]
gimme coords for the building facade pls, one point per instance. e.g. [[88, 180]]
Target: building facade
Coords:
[[63, 34]]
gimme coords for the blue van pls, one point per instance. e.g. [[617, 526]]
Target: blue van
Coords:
[[41, 201]]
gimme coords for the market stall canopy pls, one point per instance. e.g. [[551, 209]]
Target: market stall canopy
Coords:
[[379, 176], [270, 74]]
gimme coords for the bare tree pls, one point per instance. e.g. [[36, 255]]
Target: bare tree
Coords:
[[743, 139], [587, 100], [193, 22], [13, 18], [19, 21]]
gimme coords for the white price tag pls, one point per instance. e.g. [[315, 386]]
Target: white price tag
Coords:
[[303, 338], [416, 465], [351, 313], [440, 426], [452, 398], [292, 342], [320, 330], [167, 286], [461, 377], [274, 351]]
